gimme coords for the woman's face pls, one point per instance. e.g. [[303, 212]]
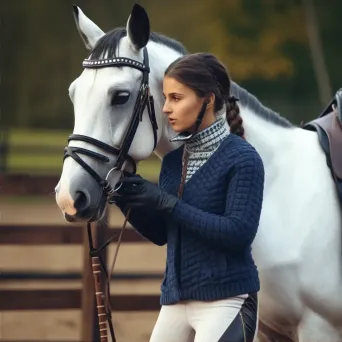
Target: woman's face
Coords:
[[182, 105]]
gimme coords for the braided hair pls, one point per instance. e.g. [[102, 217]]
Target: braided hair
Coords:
[[234, 118], [205, 74]]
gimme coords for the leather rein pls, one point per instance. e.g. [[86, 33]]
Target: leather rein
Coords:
[[144, 99]]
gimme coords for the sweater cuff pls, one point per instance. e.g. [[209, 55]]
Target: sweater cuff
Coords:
[[177, 209], [168, 203]]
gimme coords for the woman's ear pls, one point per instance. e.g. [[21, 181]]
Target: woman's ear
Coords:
[[210, 100]]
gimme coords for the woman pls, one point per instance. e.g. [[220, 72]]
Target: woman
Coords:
[[206, 209]]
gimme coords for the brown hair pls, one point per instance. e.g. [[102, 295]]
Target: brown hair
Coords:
[[205, 74]]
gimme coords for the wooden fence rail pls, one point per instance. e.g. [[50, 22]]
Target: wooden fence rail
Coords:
[[57, 234], [27, 184], [61, 299], [70, 299]]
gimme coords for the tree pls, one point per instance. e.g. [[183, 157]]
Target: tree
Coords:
[[316, 49], [248, 36]]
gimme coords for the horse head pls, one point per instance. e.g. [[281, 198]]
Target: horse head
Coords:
[[118, 122]]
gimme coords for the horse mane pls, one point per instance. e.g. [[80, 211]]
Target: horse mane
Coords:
[[108, 44], [250, 101]]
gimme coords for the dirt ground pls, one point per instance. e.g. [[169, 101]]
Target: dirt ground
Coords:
[[65, 325]]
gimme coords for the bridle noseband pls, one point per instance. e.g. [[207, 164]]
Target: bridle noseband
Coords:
[[144, 99]]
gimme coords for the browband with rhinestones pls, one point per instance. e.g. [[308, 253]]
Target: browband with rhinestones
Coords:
[[121, 61]]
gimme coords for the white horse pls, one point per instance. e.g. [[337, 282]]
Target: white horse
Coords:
[[298, 245]]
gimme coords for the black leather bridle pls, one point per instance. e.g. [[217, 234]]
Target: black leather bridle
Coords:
[[144, 99]]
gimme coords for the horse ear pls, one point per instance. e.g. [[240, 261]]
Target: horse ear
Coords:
[[138, 27], [89, 31]]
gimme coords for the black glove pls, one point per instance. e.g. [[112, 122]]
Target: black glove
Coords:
[[139, 192]]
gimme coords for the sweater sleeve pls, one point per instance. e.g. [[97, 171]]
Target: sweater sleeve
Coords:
[[148, 222], [237, 228]]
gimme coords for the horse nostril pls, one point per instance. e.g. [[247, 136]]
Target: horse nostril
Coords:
[[81, 200]]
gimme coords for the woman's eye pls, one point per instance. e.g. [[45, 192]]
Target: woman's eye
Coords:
[[120, 97]]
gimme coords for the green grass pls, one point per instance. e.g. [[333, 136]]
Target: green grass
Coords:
[[48, 164], [51, 163], [32, 162], [50, 138]]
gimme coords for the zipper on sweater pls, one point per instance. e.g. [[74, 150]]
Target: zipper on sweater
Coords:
[[243, 327]]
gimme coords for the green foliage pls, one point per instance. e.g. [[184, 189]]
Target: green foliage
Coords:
[[248, 36], [262, 42]]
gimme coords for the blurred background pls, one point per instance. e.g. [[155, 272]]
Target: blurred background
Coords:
[[287, 53]]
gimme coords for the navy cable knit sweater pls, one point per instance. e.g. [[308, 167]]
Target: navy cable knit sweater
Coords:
[[210, 231]]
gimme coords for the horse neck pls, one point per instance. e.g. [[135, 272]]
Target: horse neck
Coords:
[[267, 137]]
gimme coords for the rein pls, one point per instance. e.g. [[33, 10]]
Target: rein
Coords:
[[144, 99], [104, 309]]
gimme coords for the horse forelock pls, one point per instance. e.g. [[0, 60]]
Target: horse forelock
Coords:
[[108, 44]]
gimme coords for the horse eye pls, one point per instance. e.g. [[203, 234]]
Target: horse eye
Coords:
[[120, 97]]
